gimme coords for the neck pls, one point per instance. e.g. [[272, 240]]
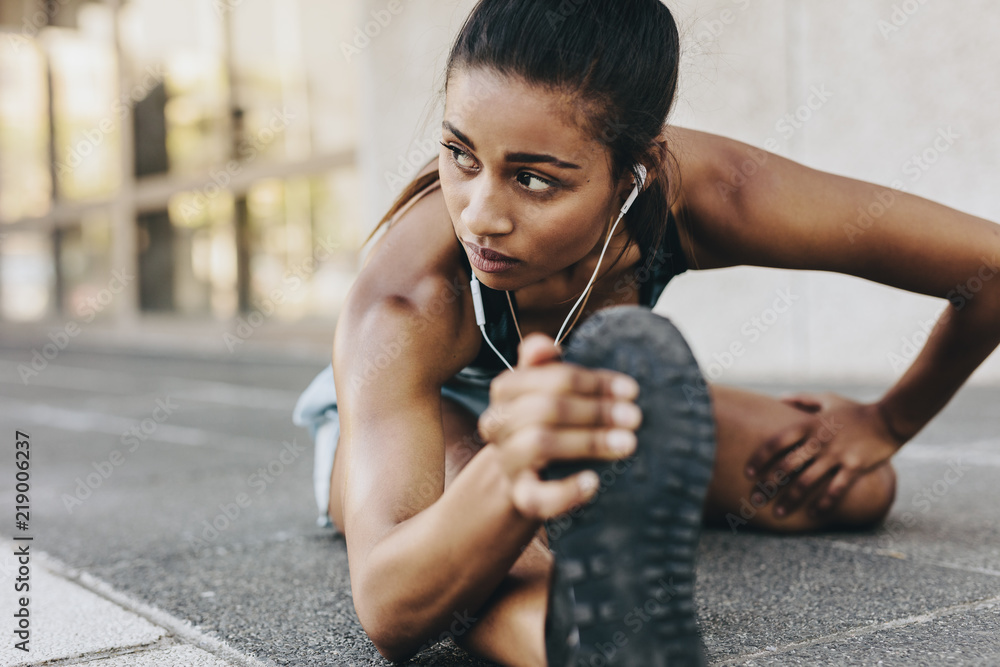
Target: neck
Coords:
[[544, 306]]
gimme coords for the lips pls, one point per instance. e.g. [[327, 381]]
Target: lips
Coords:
[[489, 261]]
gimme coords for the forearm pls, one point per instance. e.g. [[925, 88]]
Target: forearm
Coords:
[[442, 563], [959, 343]]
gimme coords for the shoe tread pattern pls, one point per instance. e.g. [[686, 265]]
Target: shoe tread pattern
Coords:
[[629, 555]]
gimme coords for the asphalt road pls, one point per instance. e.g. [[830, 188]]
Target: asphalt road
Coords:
[[205, 510]]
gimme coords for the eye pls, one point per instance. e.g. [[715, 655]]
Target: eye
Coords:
[[533, 182], [460, 157]]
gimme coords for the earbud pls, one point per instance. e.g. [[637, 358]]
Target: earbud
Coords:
[[641, 174]]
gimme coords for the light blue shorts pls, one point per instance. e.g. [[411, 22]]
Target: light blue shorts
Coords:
[[316, 410]]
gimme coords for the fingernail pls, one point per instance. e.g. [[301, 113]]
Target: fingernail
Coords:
[[588, 481], [779, 511], [751, 471], [624, 387], [757, 498], [621, 441], [626, 414]]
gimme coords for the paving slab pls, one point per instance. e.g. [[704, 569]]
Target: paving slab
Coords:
[[757, 591], [969, 635], [65, 620], [165, 657], [72, 624], [945, 513]]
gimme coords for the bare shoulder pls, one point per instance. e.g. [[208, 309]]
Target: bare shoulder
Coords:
[[701, 164], [410, 303]]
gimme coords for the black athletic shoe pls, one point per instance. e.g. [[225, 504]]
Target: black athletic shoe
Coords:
[[623, 581]]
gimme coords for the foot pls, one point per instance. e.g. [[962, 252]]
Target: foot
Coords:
[[623, 581]]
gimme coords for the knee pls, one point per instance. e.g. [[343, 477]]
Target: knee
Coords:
[[887, 483], [871, 499]]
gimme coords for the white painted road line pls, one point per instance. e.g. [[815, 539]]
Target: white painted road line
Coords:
[[112, 382], [85, 421]]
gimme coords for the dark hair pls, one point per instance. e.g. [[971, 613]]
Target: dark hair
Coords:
[[617, 60]]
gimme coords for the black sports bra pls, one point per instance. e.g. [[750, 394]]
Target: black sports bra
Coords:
[[652, 276]]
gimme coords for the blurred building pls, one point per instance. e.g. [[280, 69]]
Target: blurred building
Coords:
[[212, 160], [191, 158]]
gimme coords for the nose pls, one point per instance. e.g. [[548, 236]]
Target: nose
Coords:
[[486, 213]]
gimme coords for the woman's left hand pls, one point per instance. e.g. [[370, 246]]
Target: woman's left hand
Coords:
[[836, 442]]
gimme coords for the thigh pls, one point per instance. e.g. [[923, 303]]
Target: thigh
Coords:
[[744, 421]]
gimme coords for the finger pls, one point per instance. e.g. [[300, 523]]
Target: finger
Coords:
[[804, 485], [838, 487], [536, 447], [795, 460], [540, 500], [535, 350], [772, 448], [563, 378], [558, 411], [804, 402]]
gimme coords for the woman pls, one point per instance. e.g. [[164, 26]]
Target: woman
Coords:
[[555, 114]]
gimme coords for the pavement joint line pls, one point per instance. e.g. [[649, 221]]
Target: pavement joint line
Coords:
[[177, 627], [104, 654], [870, 629], [86, 421], [899, 555]]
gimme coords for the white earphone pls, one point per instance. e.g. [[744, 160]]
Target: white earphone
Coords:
[[477, 297]]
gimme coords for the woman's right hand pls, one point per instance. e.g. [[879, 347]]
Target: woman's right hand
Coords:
[[549, 410]]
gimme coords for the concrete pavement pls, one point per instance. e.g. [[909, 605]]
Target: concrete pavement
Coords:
[[173, 498]]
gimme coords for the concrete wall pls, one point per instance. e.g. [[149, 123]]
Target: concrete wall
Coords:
[[895, 75]]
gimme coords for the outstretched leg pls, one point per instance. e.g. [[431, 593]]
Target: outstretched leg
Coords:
[[510, 626]]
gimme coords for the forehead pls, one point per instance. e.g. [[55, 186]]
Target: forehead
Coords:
[[503, 113]]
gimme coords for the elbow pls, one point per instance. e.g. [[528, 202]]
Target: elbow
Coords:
[[389, 624], [389, 646]]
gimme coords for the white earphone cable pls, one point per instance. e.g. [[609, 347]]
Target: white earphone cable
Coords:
[[559, 336]]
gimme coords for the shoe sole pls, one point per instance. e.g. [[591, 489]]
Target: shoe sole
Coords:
[[625, 562]]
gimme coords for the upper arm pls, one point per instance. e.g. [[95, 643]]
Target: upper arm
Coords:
[[407, 326], [746, 206]]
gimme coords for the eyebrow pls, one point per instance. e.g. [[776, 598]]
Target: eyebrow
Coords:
[[514, 157]]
